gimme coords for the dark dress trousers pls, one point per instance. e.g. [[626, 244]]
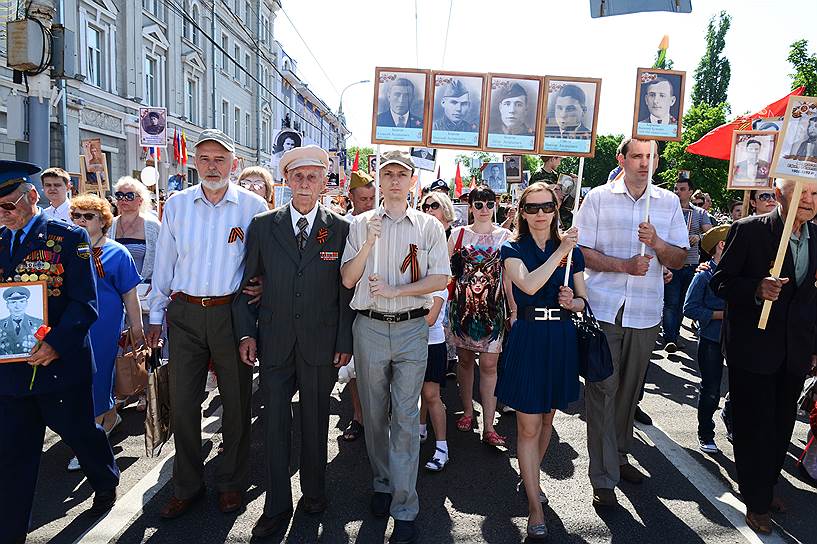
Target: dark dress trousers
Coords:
[[61, 397], [303, 319], [766, 367]]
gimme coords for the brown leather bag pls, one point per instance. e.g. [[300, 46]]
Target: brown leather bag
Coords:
[[158, 429], [131, 367]]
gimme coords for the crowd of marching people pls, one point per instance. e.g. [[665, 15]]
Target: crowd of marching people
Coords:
[[224, 283]]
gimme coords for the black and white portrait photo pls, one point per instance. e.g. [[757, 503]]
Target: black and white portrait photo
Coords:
[[460, 215], [796, 156], [285, 140], [22, 311], [399, 106], [333, 170], [751, 159], [372, 161], [514, 105], [152, 127], [456, 115], [659, 100], [493, 175], [424, 157], [571, 113], [513, 168]]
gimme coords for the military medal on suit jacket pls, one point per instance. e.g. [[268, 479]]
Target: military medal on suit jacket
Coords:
[[41, 264]]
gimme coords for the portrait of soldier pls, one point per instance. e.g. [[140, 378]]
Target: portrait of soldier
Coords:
[[569, 110], [514, 106], [17, 330], [752, 167], [807, 149], [400, 96], [152, 123], [454, 112]]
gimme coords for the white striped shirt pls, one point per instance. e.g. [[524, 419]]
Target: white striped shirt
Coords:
[[397, 234], [194, 254], [608, 222]]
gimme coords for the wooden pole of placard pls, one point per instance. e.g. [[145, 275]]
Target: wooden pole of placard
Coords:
[[781, 249], [575, 210], [744, 211], [649, 184], [376, 204]]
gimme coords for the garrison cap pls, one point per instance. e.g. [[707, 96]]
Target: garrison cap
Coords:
[[454, 88], [513, 91], [358, 178], [713, 236], [16, 293], [15, 173]]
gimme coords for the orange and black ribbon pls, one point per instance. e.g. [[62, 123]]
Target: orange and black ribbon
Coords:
[[322, 235], [97, 254], [236, 233], [411, 260]]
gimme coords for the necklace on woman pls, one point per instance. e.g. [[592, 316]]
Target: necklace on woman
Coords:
[[101, 237], [125, 229]]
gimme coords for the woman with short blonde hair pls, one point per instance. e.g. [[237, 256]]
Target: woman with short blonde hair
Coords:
[[258, 180]]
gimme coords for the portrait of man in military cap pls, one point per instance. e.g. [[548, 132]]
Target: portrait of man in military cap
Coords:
[[23, 316], [512, 114], [457, 109]]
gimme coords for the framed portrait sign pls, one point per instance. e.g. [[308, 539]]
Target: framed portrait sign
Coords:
[[570, 116], [372, 160], [513, 168], [796, 154], [153, 127], [659, 104], [285, 139], [768, 123], [460, 214], [512, 113], [424, 157], [456, 110], [493, 175], [333, 170], [399, 111], [24, 310], [751, 159], [93, 176]]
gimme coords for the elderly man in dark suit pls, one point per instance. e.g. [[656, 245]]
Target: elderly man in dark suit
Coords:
[[767, 367], [301, 331]]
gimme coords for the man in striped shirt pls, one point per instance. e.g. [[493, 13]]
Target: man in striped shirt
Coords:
[[198, 270], [393, 285]]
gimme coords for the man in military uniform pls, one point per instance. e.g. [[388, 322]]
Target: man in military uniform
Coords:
[[33, 248], [17, 330], [455, 103]]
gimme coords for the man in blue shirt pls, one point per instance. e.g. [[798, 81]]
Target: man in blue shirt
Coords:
[[703, 306]]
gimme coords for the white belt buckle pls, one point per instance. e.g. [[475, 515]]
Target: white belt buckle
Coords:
[[547, 314]]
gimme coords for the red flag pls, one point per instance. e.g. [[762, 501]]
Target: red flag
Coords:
[[176, 154], [458, 183], [342, 177], [356, 164], [717, 143], [184, 149], [158, 154]]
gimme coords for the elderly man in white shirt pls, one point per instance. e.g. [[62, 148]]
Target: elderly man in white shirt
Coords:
[[197, 272], [55, 186], [626, 293]]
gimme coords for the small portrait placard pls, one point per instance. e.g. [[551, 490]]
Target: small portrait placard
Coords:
[[399, 112], [23, 310], [372, 164], [659, 104], [751, 159], [153, 127], [570, 112], [493, 175], [456, 114], [513, 168], [796, 155], [512, 112], [424, 157]]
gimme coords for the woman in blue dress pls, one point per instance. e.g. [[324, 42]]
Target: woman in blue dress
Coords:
[[116, 281], [539, 371]]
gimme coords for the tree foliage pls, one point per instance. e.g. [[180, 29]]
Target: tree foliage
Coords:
[[364, 157], [805, 67], [714, 71]]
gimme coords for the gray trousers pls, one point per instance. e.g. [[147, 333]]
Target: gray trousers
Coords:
[[196, 336], [390, 362], [314, 385], [610, 404]]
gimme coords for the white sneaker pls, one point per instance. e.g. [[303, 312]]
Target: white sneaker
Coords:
[[708, 446], [423, 437], [73, 465]]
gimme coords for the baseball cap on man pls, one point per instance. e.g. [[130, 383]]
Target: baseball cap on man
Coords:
[[439, 185], [215, 135], [14, 173], [308, 155], [397, 157]]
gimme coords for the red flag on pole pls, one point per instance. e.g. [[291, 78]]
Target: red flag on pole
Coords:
[[184, 149], [176, 153], [356, 164], [717, 143], [458, 183]]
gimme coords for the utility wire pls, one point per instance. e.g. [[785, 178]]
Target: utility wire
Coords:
[[447, 28]]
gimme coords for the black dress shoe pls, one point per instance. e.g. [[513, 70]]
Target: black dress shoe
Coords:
[[313, 506], [404, 532], [103, 501], [641, 416], [266, 526], [381, 502]]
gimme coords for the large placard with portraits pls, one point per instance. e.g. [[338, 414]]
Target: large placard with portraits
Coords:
[[456, 109], [796, 154], [399, 112], [570, 116], [659, 104]]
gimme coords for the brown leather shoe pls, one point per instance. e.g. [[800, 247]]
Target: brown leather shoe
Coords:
[[175, 507], [266, 526], [230, 501], [630, 474], [759, 523], [604, 497]]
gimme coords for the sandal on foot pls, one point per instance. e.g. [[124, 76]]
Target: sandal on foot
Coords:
[[353, 431], [437, 464], [465, 423], [492, 438]]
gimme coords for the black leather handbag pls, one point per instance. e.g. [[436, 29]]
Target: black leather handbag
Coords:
[[595, 360]]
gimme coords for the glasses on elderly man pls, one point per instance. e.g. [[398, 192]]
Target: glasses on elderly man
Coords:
[[11, 206], [130, 195]]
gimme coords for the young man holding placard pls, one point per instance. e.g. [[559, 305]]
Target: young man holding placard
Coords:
[[626, 291]]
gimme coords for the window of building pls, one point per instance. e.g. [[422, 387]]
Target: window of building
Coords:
[[247, 68], [237, 125], [192, 177], [186, 26], [225, 116], [95, 55], [264, 30], [154, 7], [237, 57], [248, 17], [151, 81], [247, 130], [225, 55], [265, 134], [194, 15], [191, 100]]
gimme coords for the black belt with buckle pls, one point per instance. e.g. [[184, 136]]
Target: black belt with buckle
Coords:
[[535, 313], [397, 317]]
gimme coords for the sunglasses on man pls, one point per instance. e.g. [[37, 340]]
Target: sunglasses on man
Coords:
[[129, 196], [432, 206], [11, 206], [89, 216], [533, 209], [478, 205]]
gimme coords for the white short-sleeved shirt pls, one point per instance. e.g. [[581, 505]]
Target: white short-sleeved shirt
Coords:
[[436, 333], [608, 222]]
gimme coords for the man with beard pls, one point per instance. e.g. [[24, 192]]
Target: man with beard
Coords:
[[455, 102], [198, 269]]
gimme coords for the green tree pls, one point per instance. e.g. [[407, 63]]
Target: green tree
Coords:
[[805, 67], [364, 157], [713, 72], [707, 174]]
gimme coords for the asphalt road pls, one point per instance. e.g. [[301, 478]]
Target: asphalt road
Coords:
[[688, 496]]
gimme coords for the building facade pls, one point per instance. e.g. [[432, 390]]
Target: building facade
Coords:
[[211, 63]]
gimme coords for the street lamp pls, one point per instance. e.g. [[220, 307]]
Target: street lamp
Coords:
[[340, 106]]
